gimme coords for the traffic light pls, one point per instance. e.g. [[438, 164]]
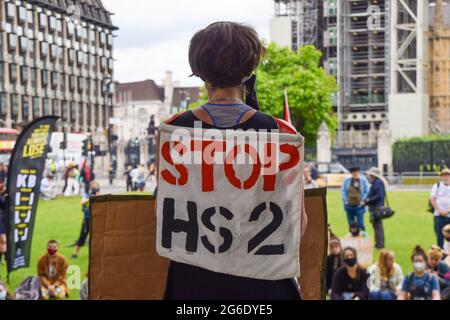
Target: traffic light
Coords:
[[85, 148]]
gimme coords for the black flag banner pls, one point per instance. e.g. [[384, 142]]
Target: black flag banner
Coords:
[[26, 167]]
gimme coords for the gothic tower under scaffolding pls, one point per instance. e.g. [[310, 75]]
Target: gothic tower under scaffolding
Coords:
[[296, 24]]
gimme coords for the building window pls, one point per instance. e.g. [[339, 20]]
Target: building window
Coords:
[[53, 52], [102, 38], [44, 50], [105, 117], [110, 40], [110, 65], [33, 78], [31, 49], [80, 58], [73, 112], [42, 21], [13, 72], [97, 116], [78, 31], [52, 23], [14, 107], [46, 107], [55, 79], [103, 63], [92, 36], [21, 14], [71, 83], [3, 105], [59, 27], [23, 44], [71, 55], [24, 74], [80, 84], [55, 110], [64, 110], [10, 11], [94, 62], [80, 115], [30, 19], [44, 79], [25, 109], [36, 108], [63, 83], [89, 115], [1, 74], [12, 42]]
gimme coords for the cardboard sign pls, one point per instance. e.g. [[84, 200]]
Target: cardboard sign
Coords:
[[363, 246], [229, 201], [123, 249], [314, 245]]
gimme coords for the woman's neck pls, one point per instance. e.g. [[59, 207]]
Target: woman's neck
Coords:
[[225, 95], [352, 270]]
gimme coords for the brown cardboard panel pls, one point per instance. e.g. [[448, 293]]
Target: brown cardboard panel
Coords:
[[123, 249], [313, 246]]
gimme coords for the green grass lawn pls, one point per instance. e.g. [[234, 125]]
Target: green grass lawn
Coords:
[[61, 220]]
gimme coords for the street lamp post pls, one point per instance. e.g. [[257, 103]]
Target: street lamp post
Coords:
[[151, 131]]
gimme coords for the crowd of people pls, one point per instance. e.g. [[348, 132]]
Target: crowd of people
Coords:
[[385, 279], [140, 177], [347, 279]]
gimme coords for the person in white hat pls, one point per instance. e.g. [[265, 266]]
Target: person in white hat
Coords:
[[375, 200], [440, 200]]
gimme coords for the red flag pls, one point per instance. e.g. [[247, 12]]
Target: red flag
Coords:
[[287, 111]]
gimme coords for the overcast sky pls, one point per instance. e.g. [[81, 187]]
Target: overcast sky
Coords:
[[154, 35]]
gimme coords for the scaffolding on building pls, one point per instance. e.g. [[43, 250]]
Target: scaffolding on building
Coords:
[[305, 20], [363, 70]]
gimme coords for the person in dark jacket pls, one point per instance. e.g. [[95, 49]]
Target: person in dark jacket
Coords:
[[375, 200], [350, 281], [334, 260]]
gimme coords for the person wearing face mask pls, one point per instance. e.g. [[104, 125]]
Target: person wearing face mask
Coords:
[[4, 293], [420, 285], [438, 267], [94, 190], [386, 277], [334, 260], [52, 273], [350, 281]]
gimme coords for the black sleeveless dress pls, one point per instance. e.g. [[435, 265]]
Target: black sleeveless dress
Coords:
[[187, 282]]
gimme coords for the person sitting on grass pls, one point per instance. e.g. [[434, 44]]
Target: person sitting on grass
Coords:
[[52, 272], [94, 190], [4, 293], [350, 281], [438, 267], [334, 260], [386, 277], [420, 284], [446, 235]]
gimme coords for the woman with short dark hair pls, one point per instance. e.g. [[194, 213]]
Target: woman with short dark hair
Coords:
[[225, 55]]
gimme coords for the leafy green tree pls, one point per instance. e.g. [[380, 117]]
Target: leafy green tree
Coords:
[[309, 88]]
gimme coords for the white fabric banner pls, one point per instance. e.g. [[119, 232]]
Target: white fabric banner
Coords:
[[230, 200]]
